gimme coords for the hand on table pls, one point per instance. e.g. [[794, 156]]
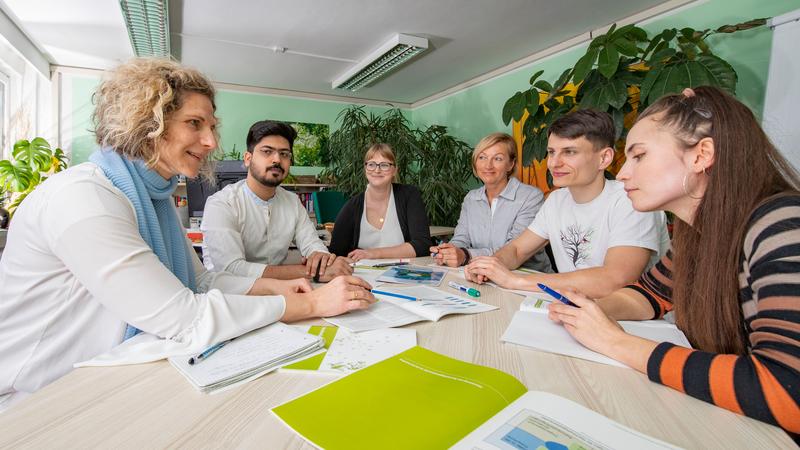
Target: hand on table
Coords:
[[448, 254], [342, 294], [484, 268], [296, 286], [359, 254], [329, 266], [587, 323]]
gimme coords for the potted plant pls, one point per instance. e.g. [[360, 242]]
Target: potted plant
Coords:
[[32, 162], [621, 72], [437, 163]]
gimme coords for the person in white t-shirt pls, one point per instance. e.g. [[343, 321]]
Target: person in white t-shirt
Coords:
[[600, 243], [249, 226]]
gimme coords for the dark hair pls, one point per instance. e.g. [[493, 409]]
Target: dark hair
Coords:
[[747, 170], [264, 128], [597, 127]]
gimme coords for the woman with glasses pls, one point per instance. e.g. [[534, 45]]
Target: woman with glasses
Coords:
[[495, 213], [388, 220]]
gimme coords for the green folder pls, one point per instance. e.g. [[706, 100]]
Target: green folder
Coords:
[[313, 363], [418, 399]]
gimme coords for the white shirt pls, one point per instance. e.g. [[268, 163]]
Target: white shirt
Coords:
[[75, 270], [242, 234], [581, 234], [389, 235]]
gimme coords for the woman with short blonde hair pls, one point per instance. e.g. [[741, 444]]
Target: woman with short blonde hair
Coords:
[[495, 213], [97, 255]]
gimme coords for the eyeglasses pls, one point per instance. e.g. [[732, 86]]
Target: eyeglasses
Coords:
[[372, 165], [270, 152]]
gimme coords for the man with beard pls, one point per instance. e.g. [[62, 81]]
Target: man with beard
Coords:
[[249, 226]]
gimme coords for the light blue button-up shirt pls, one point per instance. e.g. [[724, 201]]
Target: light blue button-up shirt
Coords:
[[482, 233]]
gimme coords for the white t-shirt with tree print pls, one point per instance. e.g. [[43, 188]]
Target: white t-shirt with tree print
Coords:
[[580, 234]]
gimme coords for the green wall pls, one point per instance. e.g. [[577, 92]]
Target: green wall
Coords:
[[237, 111], [477, 111], [474, 112]]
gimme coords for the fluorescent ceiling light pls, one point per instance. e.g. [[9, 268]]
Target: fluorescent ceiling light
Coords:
[[147, 22], [391, 55]]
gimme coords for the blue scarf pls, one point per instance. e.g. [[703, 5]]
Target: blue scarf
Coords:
[[151, 196]]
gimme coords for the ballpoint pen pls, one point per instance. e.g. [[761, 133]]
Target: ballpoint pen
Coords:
[[390, 264], [392, 294], [556, 295], [208, 352], [471, 291]]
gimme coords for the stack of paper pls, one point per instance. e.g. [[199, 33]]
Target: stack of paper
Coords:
[[532, 328], [248, 357]]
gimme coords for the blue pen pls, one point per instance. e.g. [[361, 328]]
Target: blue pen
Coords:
[[556, 295], [392, 294], [208, 352], [471, 291]]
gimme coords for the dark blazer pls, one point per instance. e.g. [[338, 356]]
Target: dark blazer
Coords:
[[410, 212]]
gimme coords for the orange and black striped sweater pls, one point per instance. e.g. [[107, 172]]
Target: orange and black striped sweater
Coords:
[[764, 383]]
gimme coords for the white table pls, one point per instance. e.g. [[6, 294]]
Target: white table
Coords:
[[151, 405]]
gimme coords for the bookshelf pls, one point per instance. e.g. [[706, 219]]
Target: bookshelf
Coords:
[[303, 191]]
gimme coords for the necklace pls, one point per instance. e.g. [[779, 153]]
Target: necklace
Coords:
[[380, 219]]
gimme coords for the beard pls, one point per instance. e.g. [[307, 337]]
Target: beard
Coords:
[[267, 179]]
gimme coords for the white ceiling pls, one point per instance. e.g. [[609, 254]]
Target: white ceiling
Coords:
[[231, 40]]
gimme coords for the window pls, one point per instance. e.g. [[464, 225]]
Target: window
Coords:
[[3, 113]]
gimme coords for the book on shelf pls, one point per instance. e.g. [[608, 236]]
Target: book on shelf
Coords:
[[531, 327], [248, 357], [424, 400], [394, 309]]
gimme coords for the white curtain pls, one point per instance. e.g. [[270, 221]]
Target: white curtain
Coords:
[[782, 104]]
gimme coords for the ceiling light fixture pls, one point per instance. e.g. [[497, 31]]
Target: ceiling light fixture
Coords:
[[147, 22], [388, 57]]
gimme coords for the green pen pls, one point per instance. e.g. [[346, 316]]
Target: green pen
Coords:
[[471, 291]]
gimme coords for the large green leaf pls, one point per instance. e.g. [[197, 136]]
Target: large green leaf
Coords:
[[719, 72], [561, 81], [619, 121], [544, 85], [626, 47], [600, 93], [584, 65], [37, 153], [16, 177], [648, 82], [514, 108], [705, 70], [660, 56], [535, 76], [608, 61]]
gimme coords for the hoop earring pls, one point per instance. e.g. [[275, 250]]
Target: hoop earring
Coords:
[[686, 189]]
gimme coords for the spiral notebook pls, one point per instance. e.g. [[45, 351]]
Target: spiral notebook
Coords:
[[248, 357]]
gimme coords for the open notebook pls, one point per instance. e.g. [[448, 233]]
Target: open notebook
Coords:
[[248, 357], [532, 328], [420, 399], [433, 304]]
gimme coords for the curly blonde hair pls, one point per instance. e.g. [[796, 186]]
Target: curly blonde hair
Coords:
[[133, 104]]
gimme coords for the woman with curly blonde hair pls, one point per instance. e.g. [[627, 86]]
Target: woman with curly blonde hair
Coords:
[[97, 254]]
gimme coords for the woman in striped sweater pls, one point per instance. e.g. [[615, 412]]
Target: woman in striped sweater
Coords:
[[732, 277]]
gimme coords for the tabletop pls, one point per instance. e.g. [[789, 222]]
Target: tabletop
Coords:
[[152, 405]]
